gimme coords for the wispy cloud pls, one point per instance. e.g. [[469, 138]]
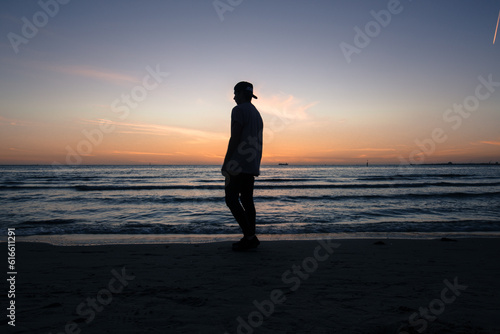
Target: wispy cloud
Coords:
[[141, 153], [16, 122], [285, 106], [496, 143], [194, 135], [95, 73], [368, 149], [14, 149], [85, 71]]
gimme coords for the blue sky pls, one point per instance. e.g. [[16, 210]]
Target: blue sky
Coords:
[[317, 106]]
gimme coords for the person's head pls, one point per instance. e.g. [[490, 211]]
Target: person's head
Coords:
[[243, 92]]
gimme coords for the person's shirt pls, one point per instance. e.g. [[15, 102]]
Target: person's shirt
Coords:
[[248, 155]]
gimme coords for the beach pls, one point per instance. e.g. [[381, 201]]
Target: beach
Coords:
[[309, 286]]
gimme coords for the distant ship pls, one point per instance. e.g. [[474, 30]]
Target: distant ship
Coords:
[[283, 164]]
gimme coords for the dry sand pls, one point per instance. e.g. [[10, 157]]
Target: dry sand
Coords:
[[283, 287]]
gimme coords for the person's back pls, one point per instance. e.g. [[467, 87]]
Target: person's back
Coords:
[[242, 163], [248, 155]]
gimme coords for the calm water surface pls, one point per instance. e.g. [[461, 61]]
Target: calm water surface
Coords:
[[289, 199]]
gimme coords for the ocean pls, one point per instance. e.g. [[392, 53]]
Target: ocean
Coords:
[[290, 200]]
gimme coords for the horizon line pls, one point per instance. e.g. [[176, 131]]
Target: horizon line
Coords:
[[262, 165]]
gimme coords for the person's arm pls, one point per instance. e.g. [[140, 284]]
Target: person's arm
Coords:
[[234, 141]]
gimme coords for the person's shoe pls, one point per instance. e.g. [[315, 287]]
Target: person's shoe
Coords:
[[245, 244], [254, 242]]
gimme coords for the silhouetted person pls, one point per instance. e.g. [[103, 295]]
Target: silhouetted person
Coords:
[[242, 163]]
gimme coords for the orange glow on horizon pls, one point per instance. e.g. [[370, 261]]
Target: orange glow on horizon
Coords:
[[295, 136]]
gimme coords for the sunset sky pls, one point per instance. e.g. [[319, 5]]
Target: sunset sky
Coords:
[[339, 82]]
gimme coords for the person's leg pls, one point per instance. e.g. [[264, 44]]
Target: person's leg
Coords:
[[233, 190], [247, 187]]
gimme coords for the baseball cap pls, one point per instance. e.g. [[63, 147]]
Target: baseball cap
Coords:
[[244, 86]]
